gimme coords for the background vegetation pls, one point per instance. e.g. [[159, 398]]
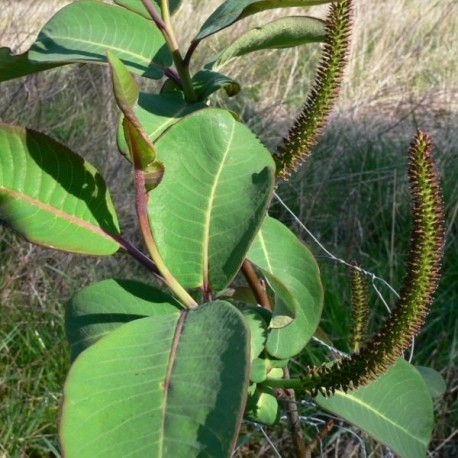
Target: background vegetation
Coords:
[[351, 195]]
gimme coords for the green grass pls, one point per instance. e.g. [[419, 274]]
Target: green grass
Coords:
[[351, 194], [33, 362]]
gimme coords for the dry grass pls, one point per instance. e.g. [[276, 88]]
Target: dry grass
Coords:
[[21, 19]]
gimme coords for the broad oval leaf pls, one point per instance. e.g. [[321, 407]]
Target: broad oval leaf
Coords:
[[99, 309], [161, 386], [234, 10], [282, 33], [217, 184], [84, 31], [138, 7], [52, 196], [262, 405], [293, 273], [396, 410]]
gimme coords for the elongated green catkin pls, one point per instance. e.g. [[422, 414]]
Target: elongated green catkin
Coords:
[[295, 148], [419, 284], [360, 308]]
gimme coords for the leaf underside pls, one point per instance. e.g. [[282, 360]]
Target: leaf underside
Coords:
[[160, 386], [282, 33], [234, 10], [294, 275], [99, 309], [217, 184], [395, 409], [156, 113]]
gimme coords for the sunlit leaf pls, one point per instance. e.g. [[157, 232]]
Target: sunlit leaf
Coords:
[[52, 196], [84, 31], [217, 184]]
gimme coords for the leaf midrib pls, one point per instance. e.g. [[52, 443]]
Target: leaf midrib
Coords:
[[103, 45], [168, 376], [378, 414], [265, 251], [58, 213], [209, 210]]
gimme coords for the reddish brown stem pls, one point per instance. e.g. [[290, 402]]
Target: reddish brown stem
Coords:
[[255, 284]]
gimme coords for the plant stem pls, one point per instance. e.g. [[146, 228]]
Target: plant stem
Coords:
[[142, 214], [190, 52], [173, 75], [319, 437], [138, 255], [255, 285], [164, 24], [182, 69], [154, 15], [294, 384], [294, 421]]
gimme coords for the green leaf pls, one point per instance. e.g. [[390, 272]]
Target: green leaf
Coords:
[[234, 10], [396, 410], [211, 202], [137, 6], [434, 381], [258, 372], [141, 148], [257, 323], [282, 33], [102, 307], [84, 31], [124, 85], [143, 153], [156, 113], [262, 406], [206, 82], [276, 363], [161, 386], [293, 273], [15, 66], [52, 196]]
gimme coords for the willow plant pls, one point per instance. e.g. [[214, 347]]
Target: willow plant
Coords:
[[173, 368]]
